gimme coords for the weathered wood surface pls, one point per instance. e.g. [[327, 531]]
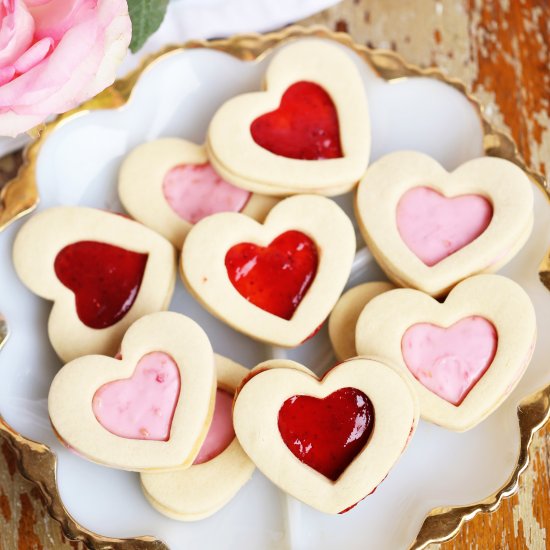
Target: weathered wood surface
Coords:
[[500, 48]]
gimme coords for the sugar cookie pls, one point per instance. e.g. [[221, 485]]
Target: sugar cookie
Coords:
[[276, 282], [327, 442], [463, 356], [101, 270], [169, 185], [220, 469], [308, 132], [342, 320], [429, 229], [149, 410]]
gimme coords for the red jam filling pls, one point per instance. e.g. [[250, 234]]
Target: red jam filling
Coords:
[[305, 126], [105, 280], [274, 278], [327, 434]]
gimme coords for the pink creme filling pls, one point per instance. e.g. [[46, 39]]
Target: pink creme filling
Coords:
[[195, 191], [221, 432], [142, 406], [450, 361], [434, 226]]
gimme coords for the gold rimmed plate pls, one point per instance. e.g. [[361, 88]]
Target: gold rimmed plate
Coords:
[[75, 161]]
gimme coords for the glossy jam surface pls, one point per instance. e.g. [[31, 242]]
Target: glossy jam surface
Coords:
[[327, 434], [195, 191], [141, 407], [305, 126], [105, 280], [221, 432], [274, 278], [434, 226], [450, 361]]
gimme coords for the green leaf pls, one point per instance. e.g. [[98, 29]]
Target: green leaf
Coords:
[[146, 16]]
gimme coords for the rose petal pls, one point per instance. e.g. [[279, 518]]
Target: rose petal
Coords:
[[81, 64], [117, 42], [6, 74], [13, 124], [34, 55], [16, 33], [32, 3], [79, 53], [54, 18]]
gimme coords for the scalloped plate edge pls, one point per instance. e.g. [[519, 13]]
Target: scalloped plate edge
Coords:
[[19, 197]]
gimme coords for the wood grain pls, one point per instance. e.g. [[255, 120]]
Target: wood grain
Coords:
[[500, 48]]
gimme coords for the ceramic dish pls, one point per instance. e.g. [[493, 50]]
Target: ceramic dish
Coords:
[[443, 479]]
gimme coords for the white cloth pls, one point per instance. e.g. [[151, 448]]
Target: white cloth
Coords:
[[187, 19]]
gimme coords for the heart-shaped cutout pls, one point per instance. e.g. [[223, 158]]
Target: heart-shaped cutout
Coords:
[[305, 126], [309, 131], [276, 282], [327, 434], [105, 280], [130, 413], [101, 270], [429, 229], [124, 406], [463, 356], [220, 469], [274, 278], [221, 432], [434, 226], [450, 361], [325, 441], [169, 185], [195, 191]]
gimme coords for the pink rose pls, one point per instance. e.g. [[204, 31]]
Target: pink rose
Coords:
[[55, 54]]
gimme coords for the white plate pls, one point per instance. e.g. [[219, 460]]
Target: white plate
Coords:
[[78, 165]]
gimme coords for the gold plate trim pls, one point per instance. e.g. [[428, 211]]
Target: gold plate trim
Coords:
[[20, 196]]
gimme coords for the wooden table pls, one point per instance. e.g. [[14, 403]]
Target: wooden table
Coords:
[[501, 49]]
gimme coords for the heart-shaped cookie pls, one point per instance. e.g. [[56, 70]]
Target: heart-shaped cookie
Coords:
[[101, 270], [463, 356], [342, 320], [276, 282], [149, 410], [220, 469], [327, 442], [309, 131], [169, 185], [429, 229]]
